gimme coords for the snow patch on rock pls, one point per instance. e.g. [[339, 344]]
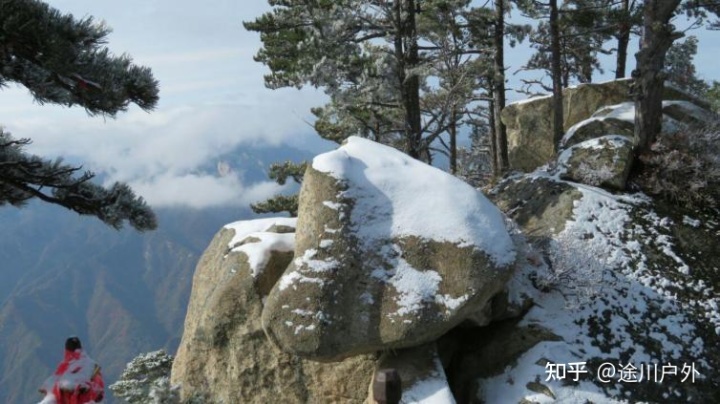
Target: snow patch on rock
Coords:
[[264, 243], [391, 200]]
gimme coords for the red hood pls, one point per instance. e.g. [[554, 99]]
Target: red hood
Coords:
[[70, 355]]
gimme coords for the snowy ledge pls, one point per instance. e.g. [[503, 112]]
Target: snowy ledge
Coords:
[[258, 251]]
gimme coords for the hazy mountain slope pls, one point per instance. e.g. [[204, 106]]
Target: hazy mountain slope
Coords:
[[122, 292]]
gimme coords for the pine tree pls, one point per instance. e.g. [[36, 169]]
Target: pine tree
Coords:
[[681, 70], [451, 51], [364, 54], [586, 26], [280, 172], [502, 157], [657, 39], [404, 73], [146, 379], [624, 18], [475, 164], [62, 60], [547, 41], [582, 24]]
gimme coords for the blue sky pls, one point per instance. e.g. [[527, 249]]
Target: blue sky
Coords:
[[212, 99]]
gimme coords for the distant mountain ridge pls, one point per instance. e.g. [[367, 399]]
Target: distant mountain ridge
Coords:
[[122, 292]]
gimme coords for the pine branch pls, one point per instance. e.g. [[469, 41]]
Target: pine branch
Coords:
[[278, 204], [61, 60], [24, 177]]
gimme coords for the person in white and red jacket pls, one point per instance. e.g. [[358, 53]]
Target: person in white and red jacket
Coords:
[[77, 379]]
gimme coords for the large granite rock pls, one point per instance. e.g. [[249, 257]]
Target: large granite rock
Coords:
[[390, 253], [224, 356], [529, 122], [601, 162]]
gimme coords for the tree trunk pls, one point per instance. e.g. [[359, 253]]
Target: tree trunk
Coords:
[[453, 142], [493, 140], [406, 52], [623, 39], [658, 36], [502, 158], [556, 75]]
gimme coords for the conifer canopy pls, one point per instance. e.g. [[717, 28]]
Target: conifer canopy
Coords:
[[63, 60]]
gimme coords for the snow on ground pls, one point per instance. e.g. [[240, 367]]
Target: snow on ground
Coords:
[[263, 242], [394, 193], [613, 307]]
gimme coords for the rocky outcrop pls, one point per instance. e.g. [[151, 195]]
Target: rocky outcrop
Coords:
[[599, 150], [368, 277], [603, 162], [224, 356], [394, 264], [376, 266], [529, 122], [474, 354], [540, 205], [624, 285]]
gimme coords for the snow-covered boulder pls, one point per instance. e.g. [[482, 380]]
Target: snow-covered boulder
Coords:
[[389, 253], [596, 127], [603, 162], [224, 356]]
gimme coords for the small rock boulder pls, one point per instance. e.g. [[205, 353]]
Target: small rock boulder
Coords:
[[390, 253], [601, 162], [688, 113], [594, 128]]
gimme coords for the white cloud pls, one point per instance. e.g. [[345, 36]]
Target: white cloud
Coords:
[[200, 191], [212, 100], [158, 152]]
